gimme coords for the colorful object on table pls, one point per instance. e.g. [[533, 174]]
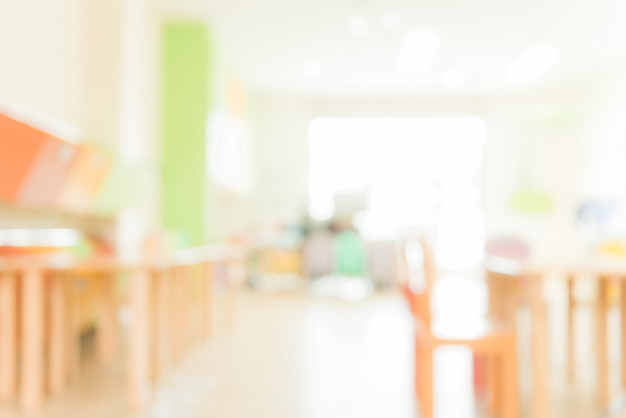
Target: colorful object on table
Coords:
[[33, 164], [529, 200], [48, 173], [597, 212], [503, 255], [349, 254], [612, 248], [85, 180], [507, 247]]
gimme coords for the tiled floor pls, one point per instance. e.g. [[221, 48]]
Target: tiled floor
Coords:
[[301, 357]]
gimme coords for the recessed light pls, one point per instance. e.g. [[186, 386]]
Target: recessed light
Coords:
[[534, 62], [418, 52]]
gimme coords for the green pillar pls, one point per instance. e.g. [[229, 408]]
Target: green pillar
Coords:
[[186, 75]]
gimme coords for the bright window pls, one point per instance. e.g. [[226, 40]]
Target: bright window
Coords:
[[416, 171]]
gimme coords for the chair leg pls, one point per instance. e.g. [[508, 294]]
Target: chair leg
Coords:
[[623, 333], [418, 369], [426, 400], [571, 329], [510, 407], [495, 384], [480, 375]]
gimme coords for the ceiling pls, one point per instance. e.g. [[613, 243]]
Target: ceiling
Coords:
[[278, 44]]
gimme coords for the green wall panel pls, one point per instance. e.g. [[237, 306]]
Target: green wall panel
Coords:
[[186, 85]]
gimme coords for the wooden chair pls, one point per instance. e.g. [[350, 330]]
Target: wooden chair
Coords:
[[497, 344]]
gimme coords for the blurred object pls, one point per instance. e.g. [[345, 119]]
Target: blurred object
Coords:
[[528, 197], [455, 325], [507, 247], [281, 261], [48, 174], [381, 260], [85, 179], [126, 185], [596, 212], [275, 268], [505, 254], [527, 200], [349, 203], [33, 164], [504, 258], [612, 248], [318, 255], [14, 242], [349, 253], [275, 259]]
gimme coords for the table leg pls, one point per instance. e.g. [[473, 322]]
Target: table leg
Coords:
[[180, 280], [571, 328], [162, 318], [32, 327], [107, 318], [601, 341], [73, 353], [169, 276], [159, 325], [175, 314], [494, 365], [8, 336], [232, 282], [139, 339], [540, 396], [207, 308], [623, 326], [58, 341], [510, 367]]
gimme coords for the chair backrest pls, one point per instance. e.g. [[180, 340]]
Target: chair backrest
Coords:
[[418, 265]]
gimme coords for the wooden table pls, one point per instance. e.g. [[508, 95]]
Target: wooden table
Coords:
[[158, 292], [529, 283]]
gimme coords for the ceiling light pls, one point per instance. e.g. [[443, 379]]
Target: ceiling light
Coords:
[[533, 63], [359, 25], [418, 52], [392, 22], [312, 68], [454, 78]]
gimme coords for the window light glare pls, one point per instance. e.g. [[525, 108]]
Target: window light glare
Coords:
[[312, 68], [418, 52], [454, 79], [533, 63], [359, 25]]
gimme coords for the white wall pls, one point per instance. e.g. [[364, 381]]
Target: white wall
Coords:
[[279, 129], [41, 53]]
